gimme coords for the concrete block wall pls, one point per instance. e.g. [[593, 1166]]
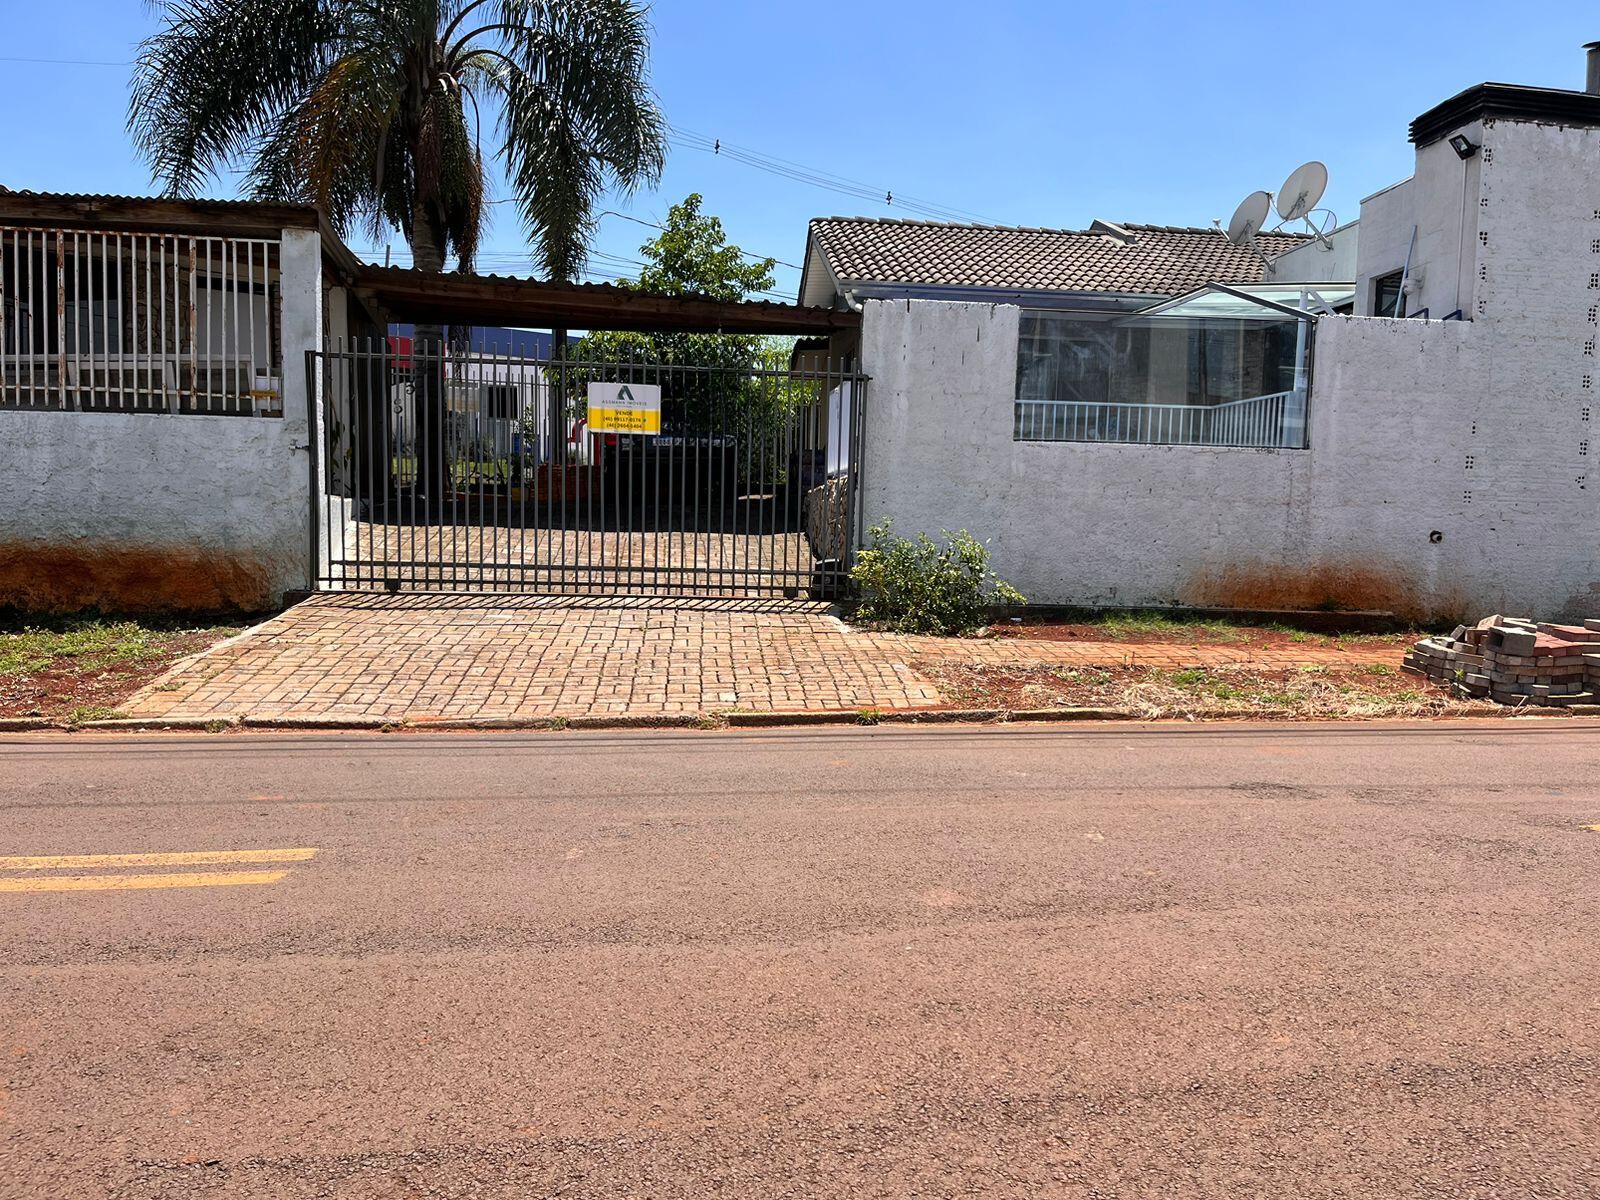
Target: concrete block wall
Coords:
[[1538, 293], [163, 512], [1373, 515]]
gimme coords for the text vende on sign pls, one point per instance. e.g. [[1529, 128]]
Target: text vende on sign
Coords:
[[624, 408]]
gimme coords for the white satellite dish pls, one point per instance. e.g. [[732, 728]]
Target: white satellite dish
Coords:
[[1249, 217], [1301, 191]]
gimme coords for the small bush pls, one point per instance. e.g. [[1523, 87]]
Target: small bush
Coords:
[[915, 586]]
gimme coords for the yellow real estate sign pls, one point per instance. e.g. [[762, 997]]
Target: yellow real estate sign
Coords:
[[624, 408]]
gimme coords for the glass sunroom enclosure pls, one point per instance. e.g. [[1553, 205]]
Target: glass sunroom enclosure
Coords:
[[1223, 366]]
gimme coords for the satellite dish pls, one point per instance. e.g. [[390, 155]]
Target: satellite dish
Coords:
[[1249, 217], [1301, 191]]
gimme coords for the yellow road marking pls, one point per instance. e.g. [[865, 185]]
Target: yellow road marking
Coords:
[[107, 883], [177, 858]]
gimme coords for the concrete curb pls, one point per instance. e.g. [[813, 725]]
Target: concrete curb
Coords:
[[124, 724], [763, 720], [706, 721], [940, 716], [922, 716], [664, 721], [368, 723], [27, 724], [1071, 714]]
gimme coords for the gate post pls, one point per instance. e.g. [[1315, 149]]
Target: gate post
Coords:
[[300, 308], [314, 450]]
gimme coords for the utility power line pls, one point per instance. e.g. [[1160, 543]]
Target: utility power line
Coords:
[[817, 177], [66, 62]]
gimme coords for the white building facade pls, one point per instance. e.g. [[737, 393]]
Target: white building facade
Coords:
[[1445, 469]]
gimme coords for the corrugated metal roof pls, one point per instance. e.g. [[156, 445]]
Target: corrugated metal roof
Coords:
[[1158, 260], [82, 204], [410, 294]]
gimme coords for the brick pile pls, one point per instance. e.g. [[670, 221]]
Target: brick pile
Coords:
[[1514, 661]]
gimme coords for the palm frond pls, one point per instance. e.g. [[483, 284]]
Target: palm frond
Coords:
[[360, 107], [576, 112], [218, 75]]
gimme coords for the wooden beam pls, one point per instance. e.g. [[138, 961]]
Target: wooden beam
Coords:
[[216, 218]]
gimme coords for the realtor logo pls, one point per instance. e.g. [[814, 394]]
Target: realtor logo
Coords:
[[624, 408]]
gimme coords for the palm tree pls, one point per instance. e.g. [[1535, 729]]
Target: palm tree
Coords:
[[373, 111]]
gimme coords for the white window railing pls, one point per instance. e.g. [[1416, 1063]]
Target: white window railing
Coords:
[[1276, 420], [106, 321]]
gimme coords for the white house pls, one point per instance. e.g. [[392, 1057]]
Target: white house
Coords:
[[1434, 463]]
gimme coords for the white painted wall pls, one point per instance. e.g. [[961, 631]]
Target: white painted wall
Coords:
[[1440, 202], [1479, 432], [1348, 521], [120, 510], [1332, 260], [163, 511]]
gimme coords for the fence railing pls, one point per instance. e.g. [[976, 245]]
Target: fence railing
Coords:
[[489, 472], [103, 321], [1276, 420]]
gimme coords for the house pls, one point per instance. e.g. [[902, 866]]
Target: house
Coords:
[[201, 409], [1101, 339], [1107, 266], [1399, 416]]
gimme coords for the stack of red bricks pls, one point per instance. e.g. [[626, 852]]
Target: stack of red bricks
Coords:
[[1514, 661]]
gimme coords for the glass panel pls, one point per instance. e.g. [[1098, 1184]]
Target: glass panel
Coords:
[[1211, 303], [1386, 299], [1229, 381]]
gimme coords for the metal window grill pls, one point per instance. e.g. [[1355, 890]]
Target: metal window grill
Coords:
[[107, 321]]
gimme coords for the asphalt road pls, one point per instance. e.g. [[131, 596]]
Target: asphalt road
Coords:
[[1090, 962]]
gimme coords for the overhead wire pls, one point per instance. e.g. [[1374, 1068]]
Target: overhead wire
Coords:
[[817, 177]]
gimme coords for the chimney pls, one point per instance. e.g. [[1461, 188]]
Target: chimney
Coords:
[[1592, 83]]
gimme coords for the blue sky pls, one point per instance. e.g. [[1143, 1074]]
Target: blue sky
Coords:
[[1029, 112]]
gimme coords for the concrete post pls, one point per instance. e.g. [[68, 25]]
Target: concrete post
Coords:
[[300, 277]]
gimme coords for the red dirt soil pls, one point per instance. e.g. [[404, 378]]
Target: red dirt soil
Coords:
[[67, 684], [1191, 635]]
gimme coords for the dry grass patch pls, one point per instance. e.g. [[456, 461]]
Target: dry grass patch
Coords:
[[1299, 693], [1143, 628], [80, 668]]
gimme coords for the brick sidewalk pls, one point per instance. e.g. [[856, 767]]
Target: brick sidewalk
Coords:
[[449, 657]]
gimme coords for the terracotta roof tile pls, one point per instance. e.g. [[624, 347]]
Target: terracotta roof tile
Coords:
[[1157, 260]]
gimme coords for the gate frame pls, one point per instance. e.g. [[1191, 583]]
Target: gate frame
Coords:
[[330, 574]]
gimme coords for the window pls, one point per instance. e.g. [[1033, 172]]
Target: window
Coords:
[[1207, 370], [98, 320], [1386, 298]]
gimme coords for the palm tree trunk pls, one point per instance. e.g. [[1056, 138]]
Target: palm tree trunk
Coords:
[[428, 375]]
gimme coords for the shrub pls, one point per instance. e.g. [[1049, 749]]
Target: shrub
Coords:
[[916, 586]]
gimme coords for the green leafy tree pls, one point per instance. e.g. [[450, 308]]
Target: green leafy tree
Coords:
[[373, 111], [709, 381]]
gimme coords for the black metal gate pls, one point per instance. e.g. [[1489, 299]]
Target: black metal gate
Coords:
[[475, 472]]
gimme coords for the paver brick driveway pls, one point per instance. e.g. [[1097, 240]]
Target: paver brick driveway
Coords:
[[489, 657]]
